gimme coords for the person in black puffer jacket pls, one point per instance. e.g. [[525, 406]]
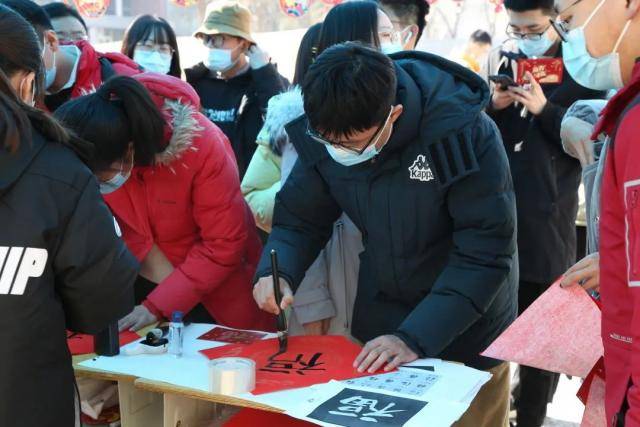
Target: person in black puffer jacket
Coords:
[[404, 148], [64, 266]]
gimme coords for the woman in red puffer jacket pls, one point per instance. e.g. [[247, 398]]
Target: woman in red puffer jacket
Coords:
[[170, 177]]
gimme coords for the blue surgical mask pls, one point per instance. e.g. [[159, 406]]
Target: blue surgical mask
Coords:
[[602, 73], [390, 48], [219, 60], [117, 181], [50, 73], [349, 158], [535, 48], [153, 61]]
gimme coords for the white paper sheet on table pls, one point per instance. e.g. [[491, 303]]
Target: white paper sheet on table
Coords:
[[336, 404], [190, 370]]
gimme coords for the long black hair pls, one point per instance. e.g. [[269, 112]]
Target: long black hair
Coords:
[[156, 29], [307, 52], [20, 51], [350, 21], [120, 112]]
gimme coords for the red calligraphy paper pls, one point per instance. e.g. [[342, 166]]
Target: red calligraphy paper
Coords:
[[233, 336], [254, 417], [559, 332], [83, 343], [308, 360]]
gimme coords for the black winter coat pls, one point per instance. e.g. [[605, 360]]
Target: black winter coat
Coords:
[[63, 267], [546, 180], [237, 106], [436, 209]]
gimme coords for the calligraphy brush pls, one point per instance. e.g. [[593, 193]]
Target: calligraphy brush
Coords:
[[281, 322]]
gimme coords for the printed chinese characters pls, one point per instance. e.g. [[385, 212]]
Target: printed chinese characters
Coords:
[[365, 409]]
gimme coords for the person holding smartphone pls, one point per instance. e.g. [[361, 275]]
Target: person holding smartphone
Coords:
[[235, 78], [546, 179]]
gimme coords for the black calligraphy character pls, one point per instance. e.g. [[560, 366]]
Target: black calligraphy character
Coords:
[[284, 366]]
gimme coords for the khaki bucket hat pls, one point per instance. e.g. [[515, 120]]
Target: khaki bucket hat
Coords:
[[226, 17]]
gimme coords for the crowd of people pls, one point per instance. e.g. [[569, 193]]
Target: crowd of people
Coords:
[[417, 205]]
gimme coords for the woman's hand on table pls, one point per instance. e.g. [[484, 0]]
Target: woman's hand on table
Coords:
[[386, 350], [137, 319]]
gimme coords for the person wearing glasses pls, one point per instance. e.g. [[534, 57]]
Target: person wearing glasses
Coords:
[[601, 51], [235, 78], [546, 179], [70, 70], [67, 22], [151, 42], [402, 146]]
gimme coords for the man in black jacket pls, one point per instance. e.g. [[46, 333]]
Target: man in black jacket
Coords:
[[545, 179], [234, 91], [405, 149]]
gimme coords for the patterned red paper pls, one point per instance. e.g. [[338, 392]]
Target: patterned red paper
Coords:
[[594, 412], [233, 336], [309, 360], [83, 343], [559, 332]]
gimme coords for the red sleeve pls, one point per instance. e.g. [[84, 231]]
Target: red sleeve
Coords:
[[627, 175], [219, 212]]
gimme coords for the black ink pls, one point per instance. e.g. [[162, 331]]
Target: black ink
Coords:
[[299, 366]]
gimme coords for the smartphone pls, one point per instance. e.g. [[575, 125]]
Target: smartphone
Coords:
[[503, 80]]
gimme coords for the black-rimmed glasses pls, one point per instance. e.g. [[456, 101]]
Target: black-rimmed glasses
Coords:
[[526, 36], [373, 140]]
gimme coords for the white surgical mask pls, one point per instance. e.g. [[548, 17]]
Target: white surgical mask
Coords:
[[117, 181], [153, 61], [535, 48], [390, 48], [220, 60], [601, 73]]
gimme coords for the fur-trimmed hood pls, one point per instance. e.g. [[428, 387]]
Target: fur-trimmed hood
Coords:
[[281, 110], [179, 102]]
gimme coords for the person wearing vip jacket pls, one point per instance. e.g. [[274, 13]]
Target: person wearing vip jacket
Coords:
[[404, 148], [169, 176], [63, 265]]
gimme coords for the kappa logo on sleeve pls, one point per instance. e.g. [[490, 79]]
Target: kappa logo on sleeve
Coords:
[[19, 264], [420, 170]]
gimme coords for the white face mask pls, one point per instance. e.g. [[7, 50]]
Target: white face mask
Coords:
[[535, 48], [220, 60], [601, 73], [153, 61], [117, 181]]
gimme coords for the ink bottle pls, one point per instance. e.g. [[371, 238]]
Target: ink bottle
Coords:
[[176, 334]]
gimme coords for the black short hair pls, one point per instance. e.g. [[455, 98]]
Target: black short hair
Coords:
[[146, 27], [60, 10], [481, 37], [349, 88], [33, 13], [410, 12], [527, 5], [350, 21]]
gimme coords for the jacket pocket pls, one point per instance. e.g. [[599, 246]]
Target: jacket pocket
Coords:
[[632, 220]]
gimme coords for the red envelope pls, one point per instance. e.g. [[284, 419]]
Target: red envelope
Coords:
[[544, 70], [559, 332], [308, 360], [232, 336], [83, 343], [255, 417]]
